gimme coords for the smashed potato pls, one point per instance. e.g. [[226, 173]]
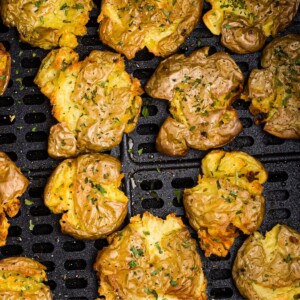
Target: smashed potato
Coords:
[[228, 197], [86, 191], [201, 89], [269, 267], [151, 258], [245, 24], [22, 278], [5, 65], [161, 26], [12, 185], [274, 91], [95, 101], [47, 23]]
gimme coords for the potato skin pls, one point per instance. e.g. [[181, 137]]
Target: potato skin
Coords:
[[161, 26], [201, 89], [12, 185], [47, 24], [228, 197], [268, 267], [86, 191], [274, 91], [22, 278], [5, 67], [151, 258], [95, 101], [245, 24]]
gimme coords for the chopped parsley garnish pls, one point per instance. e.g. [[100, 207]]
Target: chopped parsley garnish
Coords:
[[153, 292], [132, 264], [158, 248], [137, 252]]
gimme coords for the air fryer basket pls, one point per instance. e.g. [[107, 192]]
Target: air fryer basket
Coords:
[[152, 181]]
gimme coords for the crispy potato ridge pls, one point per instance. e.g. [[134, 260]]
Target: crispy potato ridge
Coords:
[[151, 258], [23, 278], [95, 101], [47, 23], [12, 185], [228, 197], [269, 267], [5, 66], [161, 26], [201, 89], [86, 191], [274, 91], [245, 24]]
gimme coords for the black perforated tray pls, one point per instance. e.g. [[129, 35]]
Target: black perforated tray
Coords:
[[150, 178]]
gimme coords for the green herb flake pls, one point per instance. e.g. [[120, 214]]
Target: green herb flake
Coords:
[[192, 128], [31, 225], [186, 245], [285, 100], [145, 112], [198, 43], [28, 202], [238, 212], [2, 77], [137, 252], [173, 282], [132, 264], [140, 151], [146, 232], [174, 2], [178, 194], [227, 26], [158, 248], [153, 292], [78, 6], [218, 185], [100, 188], [155, 272], [288, 259]]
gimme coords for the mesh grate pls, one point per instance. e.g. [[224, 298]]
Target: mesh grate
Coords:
[[153, 182]]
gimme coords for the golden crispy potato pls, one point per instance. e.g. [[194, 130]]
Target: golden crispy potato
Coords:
[[274, 91], [47, 23], [5, 65], [201, 89], [228, 197], [95, 100], [86, 191], [151, 258], [245, 24], [12, 185], [161, 26], [269, 267], [23, 278]]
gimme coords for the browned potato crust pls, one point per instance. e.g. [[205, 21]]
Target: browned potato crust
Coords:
[[228, 197], [12, 185], [245, 24], [274, 91], [95, 101], [5, 65], [23, 278], [201, 89], [161, 26], [151, 258], [86, 191], [268, 267], [47, 23]]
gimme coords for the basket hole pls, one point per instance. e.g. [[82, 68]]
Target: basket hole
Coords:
[[270, 140], [33, 118], [7, 120], [241, 105], [182, 183], [35, 99], [154, 184], [6, 101], [25, 46], [12, 155], [42, 229], [277, 195], [90, 40], [93, 23], [218, 258], [152, 203], [40, 211], [277, 176], [51, 284], [50, 265], [11, 250], [147, 147], [73, 246], [281, 213], [76, 283], [147, 129], [39, 136], [152, 110], [100, 244], [143, 73], [28, 81], [7, 138], [177, 202], [34, 155], [42, 247], [75, 264], [219, 274], [244, 66], [3, 29], [144, 55], [30, 62], [14, 231], [247, 122], [219, 293], [36, 192]]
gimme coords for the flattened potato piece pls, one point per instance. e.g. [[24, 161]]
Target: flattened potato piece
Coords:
[[151, 258], [161, 26], [23, 278], [5, 65], [12, 185], [47, 23], [269, 267], [245, 24], [86, 191], [274, 91], [201, 89], [95, 101], [228, 197]]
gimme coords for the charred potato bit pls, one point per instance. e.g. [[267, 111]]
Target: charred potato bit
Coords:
[[86, 191], [201, 89], [47, 23], [161, 26], [228, 197], [95, 100], [245, 24], [5, 64], [23, 278], [274, 91], [269, 267], [12, 185], [151, 258]]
